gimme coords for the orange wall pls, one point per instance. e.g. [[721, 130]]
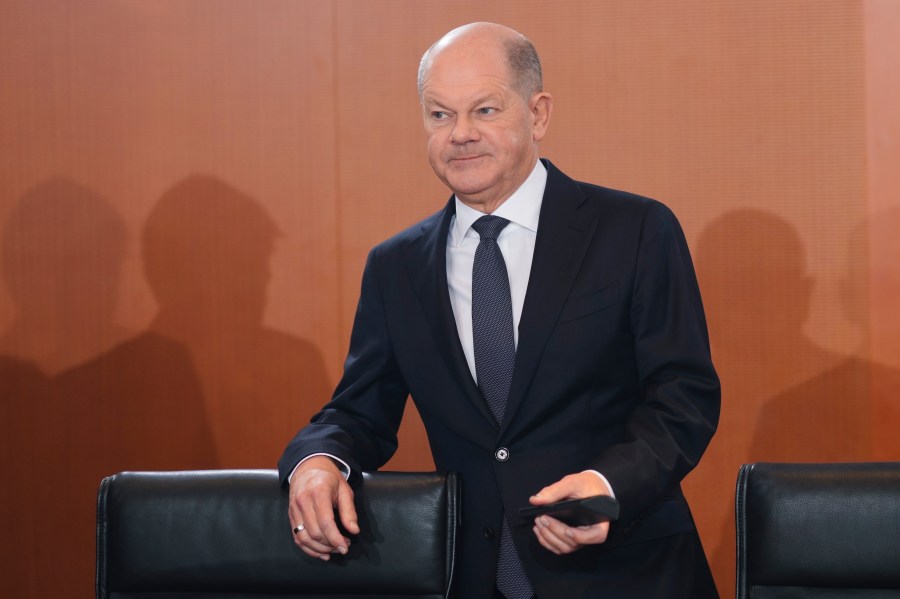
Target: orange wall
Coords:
[[188, 191]]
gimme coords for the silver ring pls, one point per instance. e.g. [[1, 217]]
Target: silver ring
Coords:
[[298, 528]]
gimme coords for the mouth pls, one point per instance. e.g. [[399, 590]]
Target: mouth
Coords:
[[464, 159]]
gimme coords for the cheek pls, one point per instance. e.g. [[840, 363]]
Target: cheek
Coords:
[[512, 144], [433, 151], [433, 143]]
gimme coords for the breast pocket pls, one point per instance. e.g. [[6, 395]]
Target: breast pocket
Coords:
[[585, 305]]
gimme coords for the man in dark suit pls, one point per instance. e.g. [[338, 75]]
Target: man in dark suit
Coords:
[[607, 386]]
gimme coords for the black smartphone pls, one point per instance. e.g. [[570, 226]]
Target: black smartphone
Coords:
[[576, 512]]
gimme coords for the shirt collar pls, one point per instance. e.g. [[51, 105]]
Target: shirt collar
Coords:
[[523, 207]]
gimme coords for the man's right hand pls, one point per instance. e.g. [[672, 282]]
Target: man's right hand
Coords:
[[318, 489]]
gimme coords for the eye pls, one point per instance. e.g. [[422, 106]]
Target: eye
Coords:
[[486, 110], [439, 115]]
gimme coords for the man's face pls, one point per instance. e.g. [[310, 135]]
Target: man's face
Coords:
[[482, 134]]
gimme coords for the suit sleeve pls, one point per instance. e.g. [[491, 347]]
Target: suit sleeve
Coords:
[[670, 429], [359, 425]]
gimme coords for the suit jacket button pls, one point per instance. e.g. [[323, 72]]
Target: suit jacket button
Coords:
[[488, 533], [502, 454]]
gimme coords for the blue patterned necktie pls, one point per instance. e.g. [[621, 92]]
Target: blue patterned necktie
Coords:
[[495, 356], [492, 317]]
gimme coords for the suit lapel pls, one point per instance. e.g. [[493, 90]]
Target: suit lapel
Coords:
[[565, 229], [427, 268]]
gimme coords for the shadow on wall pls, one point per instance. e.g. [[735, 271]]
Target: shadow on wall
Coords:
[[206, 386], [63, 246], [207, 249], [808, 404], [850, 412], [78, 401]]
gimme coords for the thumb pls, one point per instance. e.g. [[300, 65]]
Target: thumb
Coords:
[[563, 489]]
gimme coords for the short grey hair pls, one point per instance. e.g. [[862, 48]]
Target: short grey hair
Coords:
[[524, 66]]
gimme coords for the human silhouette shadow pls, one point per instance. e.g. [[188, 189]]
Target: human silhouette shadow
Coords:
[[62, 249], [850, 412], [138, 406], [79, 406], [756, 289], [63, 246], [207, 248], [807, 404]]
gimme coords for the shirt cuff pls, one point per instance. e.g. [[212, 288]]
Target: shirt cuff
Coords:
[[341, 464], [605, 482]]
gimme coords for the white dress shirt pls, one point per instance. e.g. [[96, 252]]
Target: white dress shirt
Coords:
[[516, 241]]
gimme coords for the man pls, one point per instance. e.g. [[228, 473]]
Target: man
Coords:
[[585, 370]]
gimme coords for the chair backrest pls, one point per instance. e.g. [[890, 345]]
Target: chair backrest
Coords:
[[818, 530], [225, 534]]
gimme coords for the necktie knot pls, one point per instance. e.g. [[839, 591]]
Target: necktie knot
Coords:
[[489, 226]]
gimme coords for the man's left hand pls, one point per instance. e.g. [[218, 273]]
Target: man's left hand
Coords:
[[561, 538]]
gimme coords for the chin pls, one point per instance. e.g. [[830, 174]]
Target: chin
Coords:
[[467, 185]]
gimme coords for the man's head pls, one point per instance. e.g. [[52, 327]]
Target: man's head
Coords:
[[521, 57], [484, 111]]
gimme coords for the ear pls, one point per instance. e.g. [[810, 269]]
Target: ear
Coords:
[[541, 105]]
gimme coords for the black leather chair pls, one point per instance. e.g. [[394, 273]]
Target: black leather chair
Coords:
[[226, 534], [809, 531]]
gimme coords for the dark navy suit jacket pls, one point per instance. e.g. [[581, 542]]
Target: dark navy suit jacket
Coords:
[[613, 373]]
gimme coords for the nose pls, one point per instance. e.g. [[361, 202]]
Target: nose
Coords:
[[463, 131]]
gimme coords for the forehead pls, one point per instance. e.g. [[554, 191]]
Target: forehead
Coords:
[[474, 67]]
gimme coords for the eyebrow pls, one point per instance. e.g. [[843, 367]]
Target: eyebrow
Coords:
[[491, 98], [432, 103]]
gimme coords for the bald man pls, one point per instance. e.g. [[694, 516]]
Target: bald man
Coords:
[[552, 337]]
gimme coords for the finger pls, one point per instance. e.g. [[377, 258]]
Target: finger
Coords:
[[556, 535], [547, 543], [301, 537], [320, 549], [313, 539], [590, 535], [560, 538], [295, 516], [347, 509], [314, 511], [311, 547], [308, 539], [326, 531]]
